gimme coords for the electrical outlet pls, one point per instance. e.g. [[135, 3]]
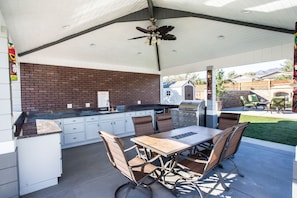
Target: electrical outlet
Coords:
[[69, 106], [88, 104]]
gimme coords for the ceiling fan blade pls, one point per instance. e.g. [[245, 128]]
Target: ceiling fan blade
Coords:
[[165, 29], [143, 30], [168, 37], [137, 37]]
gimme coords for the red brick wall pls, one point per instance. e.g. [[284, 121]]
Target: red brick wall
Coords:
[[46, 87]]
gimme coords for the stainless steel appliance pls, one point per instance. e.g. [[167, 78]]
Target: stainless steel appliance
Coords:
[[189, 112]]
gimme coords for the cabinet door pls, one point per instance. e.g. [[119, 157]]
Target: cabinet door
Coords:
[[106, 125], [92, 129], [119, 126], [129, 122], [39, 161]]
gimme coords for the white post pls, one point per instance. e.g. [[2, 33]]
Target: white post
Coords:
[[294, 182], [211, 113]]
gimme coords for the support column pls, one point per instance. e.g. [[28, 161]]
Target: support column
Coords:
[[211, 112], [294, 106], [8, 154]]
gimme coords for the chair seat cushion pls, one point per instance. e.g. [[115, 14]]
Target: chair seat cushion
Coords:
[[141, 171], [193, 166]]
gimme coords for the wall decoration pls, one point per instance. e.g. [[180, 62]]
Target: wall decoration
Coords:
[[12, 62], [209, 83], [294, 107]]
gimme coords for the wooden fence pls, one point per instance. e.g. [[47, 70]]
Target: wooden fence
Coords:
[[234, 90]]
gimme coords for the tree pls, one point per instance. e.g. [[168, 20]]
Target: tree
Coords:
[[231, 75], [220, 88], [287, 66]]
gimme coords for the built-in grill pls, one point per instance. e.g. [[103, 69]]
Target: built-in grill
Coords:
[[189, 112]]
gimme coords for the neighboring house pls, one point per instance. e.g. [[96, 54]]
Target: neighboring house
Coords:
[[274, 75], [243, 78], [260, 77], [175, 92]]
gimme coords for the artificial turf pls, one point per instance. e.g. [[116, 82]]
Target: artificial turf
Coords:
[[278, 130]]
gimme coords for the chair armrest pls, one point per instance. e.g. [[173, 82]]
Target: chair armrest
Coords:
[[147, 162], [130, 148]]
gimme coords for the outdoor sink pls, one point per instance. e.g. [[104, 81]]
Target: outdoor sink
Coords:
[[103, 112], [88, 112]]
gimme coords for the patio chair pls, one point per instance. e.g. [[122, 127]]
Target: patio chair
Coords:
[[233, 144], [137, 170], [143, 125], [164, 122], [246, 103], [226, 120], [253, 99], [195, 168], [278, 104]]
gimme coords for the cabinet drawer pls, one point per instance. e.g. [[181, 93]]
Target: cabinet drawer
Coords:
[[73, 120], [75, 137], [92, 118], [143, 113], [112, 116], [130, 114], [74, 128]]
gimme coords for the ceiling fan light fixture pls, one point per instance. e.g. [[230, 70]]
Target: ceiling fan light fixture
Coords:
[[152, 40]]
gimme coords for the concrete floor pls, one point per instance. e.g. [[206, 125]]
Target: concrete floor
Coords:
[[267, 167], [87, 173]]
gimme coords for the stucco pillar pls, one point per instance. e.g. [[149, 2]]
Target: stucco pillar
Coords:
[[211, 112]]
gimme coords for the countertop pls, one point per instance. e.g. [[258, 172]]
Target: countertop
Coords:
[[68, 113], [39, 127], [32, 124]]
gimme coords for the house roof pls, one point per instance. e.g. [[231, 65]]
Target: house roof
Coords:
[[176, 84], [95, 34]]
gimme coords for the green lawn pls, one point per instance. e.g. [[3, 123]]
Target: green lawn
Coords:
[[271, 129]]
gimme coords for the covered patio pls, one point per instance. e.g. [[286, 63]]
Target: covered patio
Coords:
[[96, 35], [267, 167]]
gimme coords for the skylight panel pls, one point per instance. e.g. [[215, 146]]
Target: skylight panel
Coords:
[[274, 6], [218, 3]]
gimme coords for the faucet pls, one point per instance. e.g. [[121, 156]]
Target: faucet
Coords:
[[108, 105]]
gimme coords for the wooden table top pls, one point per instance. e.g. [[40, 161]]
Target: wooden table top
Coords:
[[176, 140]]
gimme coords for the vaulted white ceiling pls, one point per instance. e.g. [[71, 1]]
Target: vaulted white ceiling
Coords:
[[94, 34]]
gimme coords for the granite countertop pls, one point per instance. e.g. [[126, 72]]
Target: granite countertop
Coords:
[[39, 127], [32, 124], [68, 113]]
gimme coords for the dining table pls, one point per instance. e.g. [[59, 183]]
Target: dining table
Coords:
[[176, 140], [171, 144]]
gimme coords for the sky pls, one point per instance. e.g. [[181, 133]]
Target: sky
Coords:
[[245, 69], [255, 67]]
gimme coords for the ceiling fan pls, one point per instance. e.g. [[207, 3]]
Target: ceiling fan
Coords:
[[155, 33]]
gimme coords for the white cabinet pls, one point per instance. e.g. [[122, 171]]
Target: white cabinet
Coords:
[[129, 126], [39, 162], [73, 130], [92, 128], [84, 130], [113, 123]]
